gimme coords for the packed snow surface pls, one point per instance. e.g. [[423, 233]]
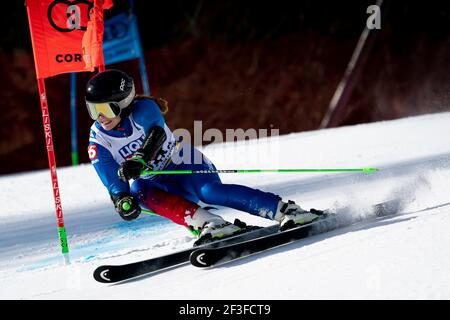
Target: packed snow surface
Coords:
[[405, 256]]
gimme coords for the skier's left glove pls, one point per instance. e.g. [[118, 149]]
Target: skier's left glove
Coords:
[[126, 206], [131, 168]]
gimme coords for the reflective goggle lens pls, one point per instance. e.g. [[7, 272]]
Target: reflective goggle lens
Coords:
[[108, 110]]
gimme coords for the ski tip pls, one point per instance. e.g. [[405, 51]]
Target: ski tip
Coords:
[[102, 274], [388, 207], [197, 259]]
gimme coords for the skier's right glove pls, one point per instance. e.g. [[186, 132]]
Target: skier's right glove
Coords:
[[131, 168], [126, 206], [141, 159]]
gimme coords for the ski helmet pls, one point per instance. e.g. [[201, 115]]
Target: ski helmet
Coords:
[[108, 93]]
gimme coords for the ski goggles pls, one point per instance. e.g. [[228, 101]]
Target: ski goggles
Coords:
[[107, 109]]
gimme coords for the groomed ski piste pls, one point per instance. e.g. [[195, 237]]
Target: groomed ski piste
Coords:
[[399, 257]]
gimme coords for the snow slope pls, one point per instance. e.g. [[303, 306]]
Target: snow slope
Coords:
[[401, 257]]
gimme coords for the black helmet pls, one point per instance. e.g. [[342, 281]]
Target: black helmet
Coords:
[[109, 92]]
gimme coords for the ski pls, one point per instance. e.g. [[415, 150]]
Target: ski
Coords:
[[208, 257], [117, 273]]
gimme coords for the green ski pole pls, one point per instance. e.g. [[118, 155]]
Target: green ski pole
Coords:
[[367, 170]]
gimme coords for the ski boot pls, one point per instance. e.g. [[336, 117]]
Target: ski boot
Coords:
[[291, 215], [210, 227]]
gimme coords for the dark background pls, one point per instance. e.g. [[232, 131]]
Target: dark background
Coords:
[[241, 64]]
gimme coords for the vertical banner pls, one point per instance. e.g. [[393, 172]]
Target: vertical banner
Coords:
[[122, 42], [66, 37]]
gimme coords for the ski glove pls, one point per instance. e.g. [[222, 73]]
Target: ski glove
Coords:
[[151, 147], [126, 206], [131, 168]]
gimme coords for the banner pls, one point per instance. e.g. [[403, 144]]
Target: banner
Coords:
[[121, 39], [66, 35]]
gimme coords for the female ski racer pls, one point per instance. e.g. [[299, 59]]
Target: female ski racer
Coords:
[[129, 135]]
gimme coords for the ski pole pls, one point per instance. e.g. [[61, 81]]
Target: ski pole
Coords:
[[149, 212], [368, 170]]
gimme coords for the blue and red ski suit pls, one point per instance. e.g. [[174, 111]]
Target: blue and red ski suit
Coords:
[[172, 196]]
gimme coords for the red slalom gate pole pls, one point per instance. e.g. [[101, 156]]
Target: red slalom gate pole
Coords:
[[52, 166]]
